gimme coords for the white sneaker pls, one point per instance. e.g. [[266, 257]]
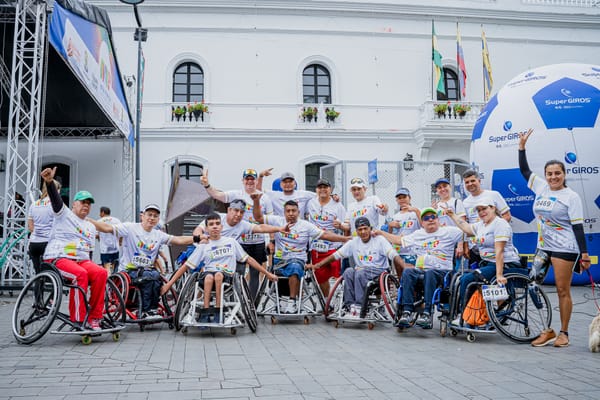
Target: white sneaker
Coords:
[[283, 306], [357, 310], [292, 307], [352, 312]]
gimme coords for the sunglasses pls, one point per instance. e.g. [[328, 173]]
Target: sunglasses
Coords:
[[356, 180], [429, 217]]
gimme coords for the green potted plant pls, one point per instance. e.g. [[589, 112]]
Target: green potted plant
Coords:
[[440, 109], [331, 114], [308, 113], [198, 109], [178, 112], [461, 109]]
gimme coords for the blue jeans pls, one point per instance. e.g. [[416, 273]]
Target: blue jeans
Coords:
[[355, 283], [488, 271], [293, 266], [432, 278], [149, 286]]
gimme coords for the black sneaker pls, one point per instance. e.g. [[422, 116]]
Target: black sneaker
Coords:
[[425, 321], [404, 321]]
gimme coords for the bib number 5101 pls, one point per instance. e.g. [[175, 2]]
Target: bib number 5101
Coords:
[[494, 292]]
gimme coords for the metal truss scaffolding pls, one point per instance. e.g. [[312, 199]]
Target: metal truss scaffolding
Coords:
[[24, 126]]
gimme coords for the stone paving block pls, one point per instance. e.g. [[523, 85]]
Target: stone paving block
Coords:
[[156, 387], [227, 393], [92, 396]]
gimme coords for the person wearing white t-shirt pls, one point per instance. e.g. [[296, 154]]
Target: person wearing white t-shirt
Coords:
[[472, 184], [141, 245], [434, 247], [371, 255], [404, 222], [559, 214], [288, 184], [494, 238], [71, 243], [39, 223], [109, 243], [290, 254], [218, 258], [363, 206], [253, 244]]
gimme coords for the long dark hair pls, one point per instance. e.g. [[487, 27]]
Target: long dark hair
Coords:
[[562, 166]]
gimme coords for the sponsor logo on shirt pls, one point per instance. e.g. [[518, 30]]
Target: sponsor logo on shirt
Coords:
[[365, 258], [360, 213], [431, 245], [146, 246]]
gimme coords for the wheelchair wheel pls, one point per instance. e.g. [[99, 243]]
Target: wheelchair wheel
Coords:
[[186, 296], [168, 300], [36, 307], [121, 282], [388, 284], [247, 305], [526, 312], [114, 305], [335, 298], [316, 289]]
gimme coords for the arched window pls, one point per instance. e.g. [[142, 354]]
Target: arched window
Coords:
[[191, 171], [451, 85], [312, 174], [188, 83], [316, 85]]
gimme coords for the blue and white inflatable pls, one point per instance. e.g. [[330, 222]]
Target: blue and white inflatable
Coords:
[[561, 104]]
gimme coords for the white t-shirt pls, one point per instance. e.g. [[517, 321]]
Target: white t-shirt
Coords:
[[109, 243], [72, 237], [237, 232], [266, 208], [556, 212], [409, 222], [454, 204], [433, 250], [293, 244], [367, 207], [302, 197], [43, 216], [470, 204], [497, 231], [140, 248], [373, 254], [218, 255], [323, 217]]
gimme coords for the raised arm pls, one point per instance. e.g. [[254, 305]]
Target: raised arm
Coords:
[[261, 175], [460, 222], [264, 228], [256, 209], [214, 193], [523, 165], [55, 199]]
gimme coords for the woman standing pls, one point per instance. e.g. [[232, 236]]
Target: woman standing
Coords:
[[39, 223], [404, 222], [559, 214]]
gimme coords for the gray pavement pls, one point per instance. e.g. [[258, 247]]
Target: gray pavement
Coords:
[[296, 361]]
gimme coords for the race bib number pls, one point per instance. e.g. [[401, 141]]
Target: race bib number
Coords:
[[494, 292], [254, 238], [544, 204], [141, 261], [320, 246]]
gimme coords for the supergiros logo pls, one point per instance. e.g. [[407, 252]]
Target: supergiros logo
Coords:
[[511, 137], [571, 158]]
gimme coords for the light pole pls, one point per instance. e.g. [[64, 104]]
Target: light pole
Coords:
[[140, 35]]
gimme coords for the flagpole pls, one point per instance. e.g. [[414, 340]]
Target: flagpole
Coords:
[[457, 62], [432, 64], [483, 67]]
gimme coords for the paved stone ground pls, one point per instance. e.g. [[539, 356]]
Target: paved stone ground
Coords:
[[296, 361]]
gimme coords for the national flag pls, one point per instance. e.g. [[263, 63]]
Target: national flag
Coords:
[[488, 81], [437, 62], [460, 62]]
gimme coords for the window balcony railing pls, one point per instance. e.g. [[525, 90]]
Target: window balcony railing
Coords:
[[460, 111], [319, 116], [190, 114]]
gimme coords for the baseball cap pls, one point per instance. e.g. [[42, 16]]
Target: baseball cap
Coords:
[[357, 182], [152, 206], [238, 204], [428, 210], [323, 182], [287, 175], [250, 172], [403, 191], [362, 221], [83, 195], [484, 201], [441, 180]]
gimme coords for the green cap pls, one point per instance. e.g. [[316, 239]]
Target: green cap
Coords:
[[428, 210], [83, 195]]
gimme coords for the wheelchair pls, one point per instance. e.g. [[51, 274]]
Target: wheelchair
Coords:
[[273, 298], [132, 295], [237, 308], [377, 305], [39, 306]]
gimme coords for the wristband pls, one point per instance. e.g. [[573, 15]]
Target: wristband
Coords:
[[586, 260], [196, 238], [207, 186]]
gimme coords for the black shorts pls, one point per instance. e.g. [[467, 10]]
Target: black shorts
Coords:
[[563, 256], [227, 278], [256, 251]]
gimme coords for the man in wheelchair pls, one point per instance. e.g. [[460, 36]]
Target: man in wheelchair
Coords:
[[291, 245], [371, 255], [141, 245], [434, 247], [217, 258]]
